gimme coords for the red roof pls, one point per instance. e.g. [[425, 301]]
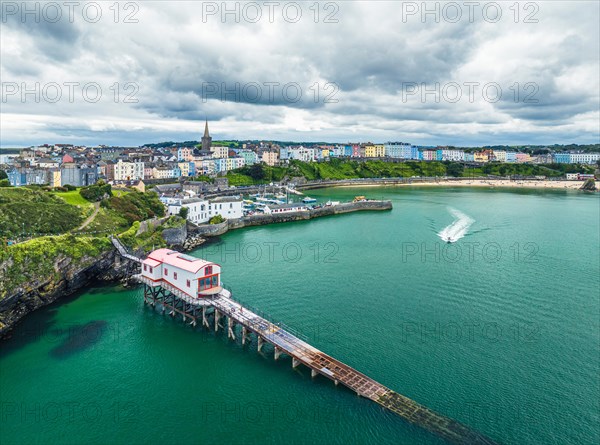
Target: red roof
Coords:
[[179, 260], [151, 262]]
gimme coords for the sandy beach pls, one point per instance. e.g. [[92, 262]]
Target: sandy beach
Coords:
[[573, 185], [491, 183]]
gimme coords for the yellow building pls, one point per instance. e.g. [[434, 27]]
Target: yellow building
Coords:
[[139, 186], [480, 156], [184, 167], [270, 157], [161, 173], [55, 178], [374, 150]]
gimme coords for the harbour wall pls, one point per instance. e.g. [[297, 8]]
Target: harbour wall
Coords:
[[209, 230]]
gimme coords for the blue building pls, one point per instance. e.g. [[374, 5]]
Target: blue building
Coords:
[[17, 178], [562, 158], [250, 157], [401, 150]]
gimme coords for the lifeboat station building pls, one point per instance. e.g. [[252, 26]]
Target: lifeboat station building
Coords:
[[194, 277]]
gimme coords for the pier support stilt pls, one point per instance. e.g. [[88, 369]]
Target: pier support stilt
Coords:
[[313, 373], [336, 382], [217, 315], [244, 334], [277, 353], [260, 343], [204, 320], [295, 362], [230, 325]]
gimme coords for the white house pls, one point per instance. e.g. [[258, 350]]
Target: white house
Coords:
[[195, 277], [125, 171], [584, 158], [200, 211]]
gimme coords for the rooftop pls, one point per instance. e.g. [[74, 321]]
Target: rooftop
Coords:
[[179, 260]]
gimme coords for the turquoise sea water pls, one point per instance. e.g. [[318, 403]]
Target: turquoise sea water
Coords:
[[498, 330]]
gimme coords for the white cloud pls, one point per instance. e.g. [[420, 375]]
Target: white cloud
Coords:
[[371, 53]]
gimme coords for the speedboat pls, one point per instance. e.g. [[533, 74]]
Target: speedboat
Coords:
[[308, 199]]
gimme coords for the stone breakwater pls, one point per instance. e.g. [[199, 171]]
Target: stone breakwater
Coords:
[[209, 230]]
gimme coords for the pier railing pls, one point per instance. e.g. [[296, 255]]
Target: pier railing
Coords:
[[294, 331]]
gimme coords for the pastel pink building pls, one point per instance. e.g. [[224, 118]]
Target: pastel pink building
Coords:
[[193, 276], [429, 155]]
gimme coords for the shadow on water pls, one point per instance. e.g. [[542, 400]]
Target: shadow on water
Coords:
[[38, 325], [78, 338], [30, 330]]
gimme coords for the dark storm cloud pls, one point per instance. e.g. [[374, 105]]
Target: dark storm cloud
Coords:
[[56, 41], [188, 70]]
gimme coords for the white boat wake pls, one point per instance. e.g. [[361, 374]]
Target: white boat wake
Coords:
[[458, 228]]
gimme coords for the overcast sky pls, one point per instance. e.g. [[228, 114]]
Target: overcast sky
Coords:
[[341, 71]]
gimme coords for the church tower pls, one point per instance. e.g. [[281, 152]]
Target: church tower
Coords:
[[206, 139]]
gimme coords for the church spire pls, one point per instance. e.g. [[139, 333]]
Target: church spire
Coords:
[[206, 139]]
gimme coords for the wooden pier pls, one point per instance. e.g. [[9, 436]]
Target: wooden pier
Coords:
[[222, 311], [210, 311]]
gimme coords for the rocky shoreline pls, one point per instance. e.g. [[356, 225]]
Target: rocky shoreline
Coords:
[[109, 267], [69, 279]]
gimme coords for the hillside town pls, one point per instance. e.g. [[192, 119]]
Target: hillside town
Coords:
[[64, 164]]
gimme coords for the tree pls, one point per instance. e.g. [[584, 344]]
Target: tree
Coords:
[[183, 212], [256, 171], [455, 169], [487, 169], [96, 192], [217, 219], [3, 175], [4, 183]]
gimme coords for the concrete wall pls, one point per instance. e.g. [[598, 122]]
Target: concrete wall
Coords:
[[259, 220], [150, 223], [211, 229], [175, 236]]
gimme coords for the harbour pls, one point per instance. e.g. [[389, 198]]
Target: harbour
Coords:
[[470, 351]]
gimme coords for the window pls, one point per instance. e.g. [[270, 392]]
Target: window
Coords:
[[188, 283], [175, 275], [166, 272], [150, 269], [208, 270], [145, 268]]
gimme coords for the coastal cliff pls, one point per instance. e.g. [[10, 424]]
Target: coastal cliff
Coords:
[[68, 274], [41, 271]]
